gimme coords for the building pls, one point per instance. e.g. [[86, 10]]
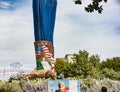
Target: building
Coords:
[[70, 58]]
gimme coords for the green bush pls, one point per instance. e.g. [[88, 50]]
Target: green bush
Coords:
[[40, 85]]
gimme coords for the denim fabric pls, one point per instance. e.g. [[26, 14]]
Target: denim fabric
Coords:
[[44, 12]]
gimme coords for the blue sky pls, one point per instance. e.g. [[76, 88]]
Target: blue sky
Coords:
[[11, 4], [75, 30]]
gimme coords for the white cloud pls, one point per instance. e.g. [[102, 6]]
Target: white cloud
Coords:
[[78, 30], [5, 5], [16, 36]]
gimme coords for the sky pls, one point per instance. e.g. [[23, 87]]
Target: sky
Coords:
[[75, 30]]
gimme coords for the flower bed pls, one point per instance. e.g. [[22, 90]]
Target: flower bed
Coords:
[[40, 85]]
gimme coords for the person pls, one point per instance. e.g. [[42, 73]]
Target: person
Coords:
[[62, 87], [44, 13], [103, 89]]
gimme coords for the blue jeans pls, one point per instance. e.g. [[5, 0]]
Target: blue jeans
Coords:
[[44, 12]]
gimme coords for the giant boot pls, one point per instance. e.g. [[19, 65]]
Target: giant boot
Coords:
[[44, 51]]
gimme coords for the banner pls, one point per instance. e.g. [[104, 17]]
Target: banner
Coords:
[[64, 86]]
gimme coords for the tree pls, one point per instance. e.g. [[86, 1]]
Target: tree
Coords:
[[94, 60], [113, 63], [70, 70], [110, 73], [95, 5], [60, 66], [111, 68], [82, 64]]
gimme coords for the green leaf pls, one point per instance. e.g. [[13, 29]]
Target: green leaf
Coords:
[[78, 2], [105, 1], [86, 9]]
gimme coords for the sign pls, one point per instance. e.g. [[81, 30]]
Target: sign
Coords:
[[64, 86]]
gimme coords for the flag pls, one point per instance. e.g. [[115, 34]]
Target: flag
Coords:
[[38, 51], [46, 65], [46, 51]]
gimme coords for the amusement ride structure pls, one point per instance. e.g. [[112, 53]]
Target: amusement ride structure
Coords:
[[14, 69]]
